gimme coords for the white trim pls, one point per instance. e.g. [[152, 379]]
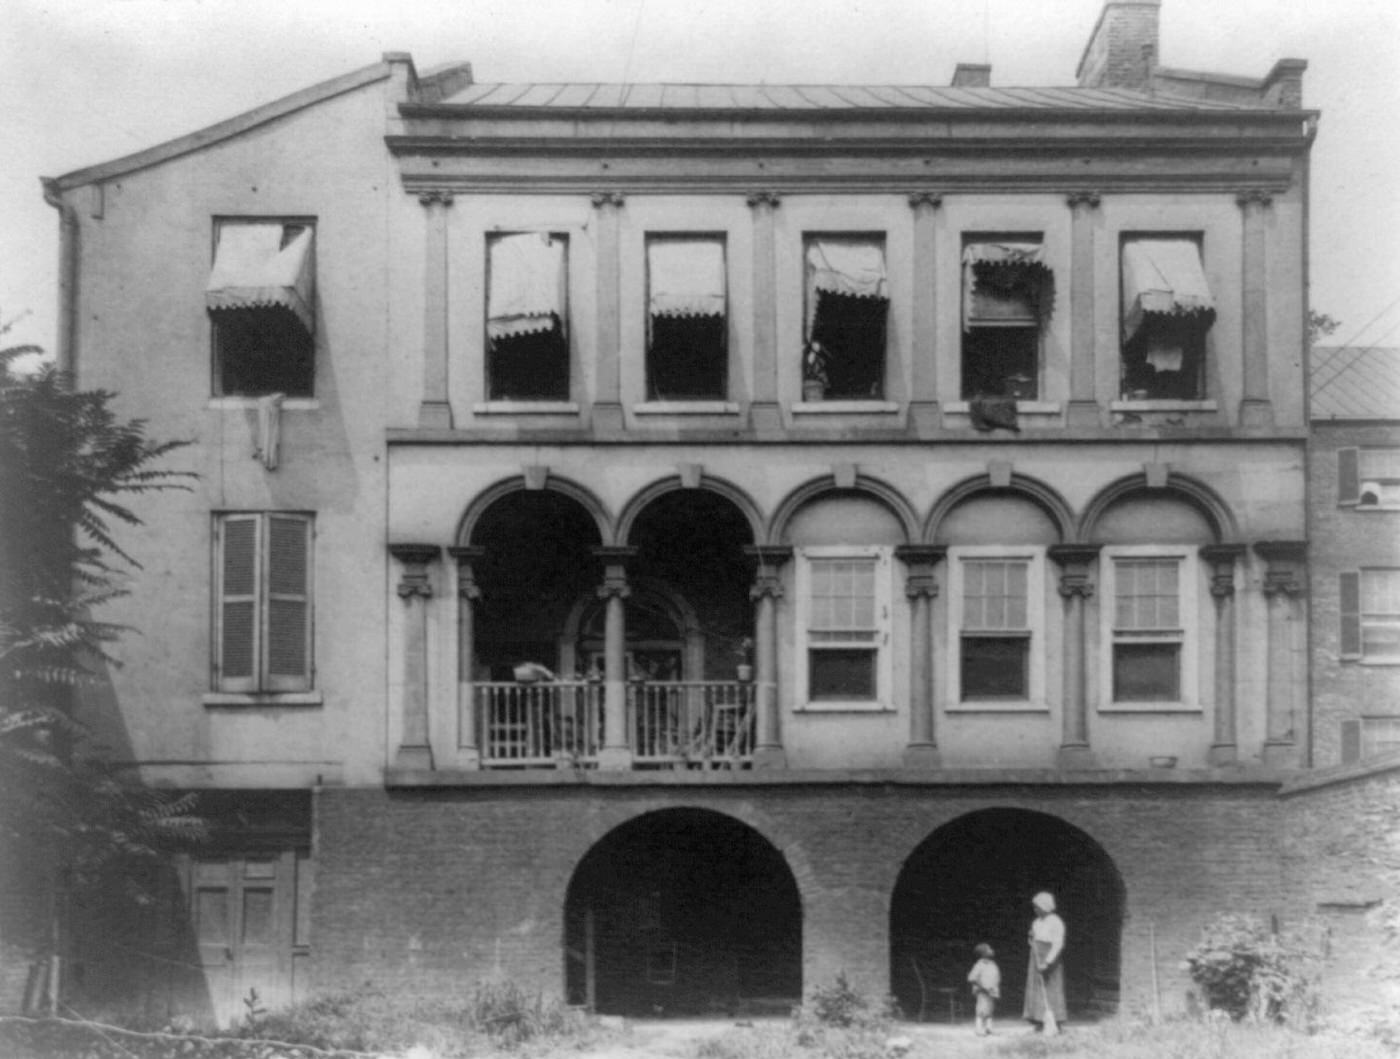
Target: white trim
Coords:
[[686, 408], [1162, 405], [844, 407], [1188, 604], [289, 404], [884, 664], [1036, 700], [1022, 407], [526, 408], [262, 698]]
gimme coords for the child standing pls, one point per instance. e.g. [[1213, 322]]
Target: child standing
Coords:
[[985, 977]]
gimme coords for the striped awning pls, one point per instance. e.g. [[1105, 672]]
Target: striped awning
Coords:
[[983, 259], [262, 265], [849, 266], [527, 278], [1163, 277], [686, 277]]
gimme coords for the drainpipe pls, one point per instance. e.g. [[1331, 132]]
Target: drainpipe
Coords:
[[64, 354]]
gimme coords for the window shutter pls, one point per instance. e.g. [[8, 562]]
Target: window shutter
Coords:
[[1351, 742], [1350, 593], [1348, 477], [237, 664], [288, 603]]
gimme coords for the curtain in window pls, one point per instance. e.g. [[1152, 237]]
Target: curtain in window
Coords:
[[526, 292], [854, 267], [1002, 280], [263, 265], [1164, 277], [686, 277]]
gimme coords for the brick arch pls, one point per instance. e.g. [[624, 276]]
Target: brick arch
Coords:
[[1032, 489], [718, 486], [1194, 493], [564, 486], [883, 493]]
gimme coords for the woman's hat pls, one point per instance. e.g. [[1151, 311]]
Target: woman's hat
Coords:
[[1044, 901]]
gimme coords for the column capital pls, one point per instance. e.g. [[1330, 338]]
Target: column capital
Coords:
[[1070, 556], [435, 197], [415, 558], [1076, 584], [465, 555], [599, 199], [764, 555], [1083, 200], [930, 199], [921, 586], [771, 199], [915, 555], [1223, 555], [1258, 198], [615, 554]]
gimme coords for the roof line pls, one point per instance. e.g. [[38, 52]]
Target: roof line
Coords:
[[223, 130]]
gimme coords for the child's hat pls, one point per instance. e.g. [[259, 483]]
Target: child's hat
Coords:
[[985, 951]]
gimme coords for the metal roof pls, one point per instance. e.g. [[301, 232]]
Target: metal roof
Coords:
[[711, 97], [1355, 382]]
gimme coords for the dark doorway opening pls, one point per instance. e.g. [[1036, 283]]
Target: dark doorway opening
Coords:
[[683, 912], [972, 881]]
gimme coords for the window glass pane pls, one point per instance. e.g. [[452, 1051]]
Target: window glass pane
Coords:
[[1380, 640], [262, 351], [1380, 592], [843, 594], [841, 674], [1147, 672], [1379, 735], [995, 594], [527, 317], [995, 667], [1379, 463], [1000, 362], [1147, 594]]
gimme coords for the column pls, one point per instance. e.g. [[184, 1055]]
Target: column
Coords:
[[1255, 407], [1076, 588], [1083, 408], [616, 752], [1224, 748], [923, 400], [468, 592], [764, 413], [607, 401], [1283, 584], [766, 591], [921, 587], [435, 409], [415, 589]]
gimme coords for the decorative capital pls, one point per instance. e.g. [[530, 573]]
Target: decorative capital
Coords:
[[615, 559], [614, 584], [1254, 197], [1074, 585], [1281, 583], [771, 199], [467, 588], [766, 585], [1222, 558], [1086, 199], [607, 198], [415, 558], [921, 585], [432, 196], [1222, 583], [931, 199], [1074, 558]]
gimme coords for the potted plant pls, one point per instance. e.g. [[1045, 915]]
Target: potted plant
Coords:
[[744, 652], [815, 357]]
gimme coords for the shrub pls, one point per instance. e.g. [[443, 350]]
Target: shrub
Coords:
[[1246, 968]]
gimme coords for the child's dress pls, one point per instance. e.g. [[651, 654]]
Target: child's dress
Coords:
[[985, 977]]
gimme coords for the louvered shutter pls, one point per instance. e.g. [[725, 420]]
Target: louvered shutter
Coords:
[[237, 664], [1348, 477], [289, 603], [1351, 742], [1350, 593]]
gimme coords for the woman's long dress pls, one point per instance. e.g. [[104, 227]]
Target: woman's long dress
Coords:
[[1049, 985]]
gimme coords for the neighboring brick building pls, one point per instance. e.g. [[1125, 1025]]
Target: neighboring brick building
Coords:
[[673, 543]]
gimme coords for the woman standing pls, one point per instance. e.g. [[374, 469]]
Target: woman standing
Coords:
[[1045, 977]]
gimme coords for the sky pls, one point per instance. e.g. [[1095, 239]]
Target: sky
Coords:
[[86, 81]]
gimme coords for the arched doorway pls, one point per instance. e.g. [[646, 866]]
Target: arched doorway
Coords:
[[683, 912], [972, 881]]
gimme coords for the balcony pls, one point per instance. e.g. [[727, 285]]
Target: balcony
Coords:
[[669, 724]]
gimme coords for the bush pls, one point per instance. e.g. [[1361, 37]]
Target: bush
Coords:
[[841, 1004], [1247, 969]]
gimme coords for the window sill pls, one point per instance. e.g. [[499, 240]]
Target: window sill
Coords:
[[1033, 408], [838, 407], [844, 707], [262, 698], [686, 408], [289, 404], [1353, 505], [526, 408], [1150, 707], [1352, 660], [1162, 406], [998, 706]]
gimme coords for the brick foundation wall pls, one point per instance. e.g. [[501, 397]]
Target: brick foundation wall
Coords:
[[429, 891]]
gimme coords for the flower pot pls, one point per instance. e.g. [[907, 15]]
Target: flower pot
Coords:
[[744, 673], [813, 390]]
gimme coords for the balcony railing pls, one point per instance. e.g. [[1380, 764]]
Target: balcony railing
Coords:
[[680, 724]]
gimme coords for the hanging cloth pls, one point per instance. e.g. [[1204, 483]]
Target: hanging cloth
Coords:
[[686, 277], [980, 259], [1164, 277], [526, 290], [254, 270]]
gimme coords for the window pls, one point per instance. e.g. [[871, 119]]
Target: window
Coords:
[[526, 317], [996, 624], [1369, 737], [847, 302], [262, 569], [1150, 618], [1006, 286], [261, 301], [1167, 311], [1370, 615], [1369, 478], [844, 606], [687, 326]]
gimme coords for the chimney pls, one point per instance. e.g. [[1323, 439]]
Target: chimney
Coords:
[[972, 75], [1284, 85], [1122, 50]]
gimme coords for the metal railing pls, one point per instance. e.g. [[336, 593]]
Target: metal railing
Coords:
[[560, 723]]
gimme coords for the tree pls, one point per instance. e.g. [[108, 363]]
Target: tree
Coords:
[[1320, 325], [68, 465]]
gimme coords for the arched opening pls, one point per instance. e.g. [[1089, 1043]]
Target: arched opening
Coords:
[[971, 881], [683, 912]]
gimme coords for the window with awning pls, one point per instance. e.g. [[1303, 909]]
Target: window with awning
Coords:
[[687, 318], [526, 316], [1167, 310], [260, 295], [1006, 291], [847, 306]]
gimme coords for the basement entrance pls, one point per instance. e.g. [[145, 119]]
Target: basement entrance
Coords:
[[972, 881], [683, 912]]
